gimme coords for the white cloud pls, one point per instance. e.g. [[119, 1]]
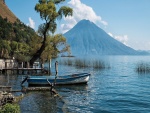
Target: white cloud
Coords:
[[70, 23], [121, 38], [31, 23], [110, 34], [81, 11]]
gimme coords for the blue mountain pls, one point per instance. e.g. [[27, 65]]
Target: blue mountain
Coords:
[[85, 38]]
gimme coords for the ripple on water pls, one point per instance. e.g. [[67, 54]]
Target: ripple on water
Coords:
[[119, 89]]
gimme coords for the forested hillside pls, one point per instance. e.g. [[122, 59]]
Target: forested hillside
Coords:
[[16, 31], [16, 39], [22, 42]]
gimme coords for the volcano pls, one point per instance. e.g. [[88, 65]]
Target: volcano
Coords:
[[86, 38]]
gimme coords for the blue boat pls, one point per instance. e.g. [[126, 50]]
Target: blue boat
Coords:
[[81, 78]]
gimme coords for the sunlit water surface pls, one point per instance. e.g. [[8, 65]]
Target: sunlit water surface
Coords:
[[117, 89]]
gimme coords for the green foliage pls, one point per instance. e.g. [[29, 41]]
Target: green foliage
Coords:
[[59, 41], [4, 49], [49, 13], [54, 45], [21, 51], [10, 108], [16, 40], [20, 41], [15, 31], [66, 11]]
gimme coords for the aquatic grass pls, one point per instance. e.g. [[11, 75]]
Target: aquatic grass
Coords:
[[143, 68], [66, 62], [69, 62], [79, 63], [97, 64], [83, 63]]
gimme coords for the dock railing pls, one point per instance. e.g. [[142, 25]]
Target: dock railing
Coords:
[[12, 65]]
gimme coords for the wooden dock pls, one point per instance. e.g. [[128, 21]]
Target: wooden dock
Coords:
[[11, 65], [5, 88], [23, 70]]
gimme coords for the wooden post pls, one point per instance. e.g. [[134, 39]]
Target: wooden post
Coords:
[[5, 64], [17, 68], [28, 66], [42, 66], [5, 67], [56, 67], [21, 64], [49, 72]]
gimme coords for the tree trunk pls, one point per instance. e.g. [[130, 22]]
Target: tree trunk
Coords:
[[39, 52]]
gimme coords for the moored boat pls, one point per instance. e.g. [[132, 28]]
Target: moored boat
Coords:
[[81, 78]]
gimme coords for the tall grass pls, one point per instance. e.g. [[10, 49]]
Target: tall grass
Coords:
[[83, 63], [143, 68], [67, 62], [97, 64]]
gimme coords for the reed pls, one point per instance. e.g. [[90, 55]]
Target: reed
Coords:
[[97, 64], [83, 63], [66, 62], [143, 68], [69, 62]]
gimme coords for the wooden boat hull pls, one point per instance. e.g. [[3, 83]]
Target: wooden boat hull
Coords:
[[81, 78]]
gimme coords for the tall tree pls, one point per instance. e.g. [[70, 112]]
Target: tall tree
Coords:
[[49, 13]]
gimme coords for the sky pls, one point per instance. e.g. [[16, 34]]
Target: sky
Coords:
[[128, 21]]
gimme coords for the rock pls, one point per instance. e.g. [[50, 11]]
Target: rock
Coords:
[[6, 98]]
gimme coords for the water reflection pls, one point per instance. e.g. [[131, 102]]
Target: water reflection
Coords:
[[5, 79], [40, 102], [117, 89]]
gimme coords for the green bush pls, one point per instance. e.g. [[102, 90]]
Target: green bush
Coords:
[[10, 108]]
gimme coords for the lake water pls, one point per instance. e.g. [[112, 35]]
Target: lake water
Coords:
[[117, 89]]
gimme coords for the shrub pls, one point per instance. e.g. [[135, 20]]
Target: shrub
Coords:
[[10, 108]]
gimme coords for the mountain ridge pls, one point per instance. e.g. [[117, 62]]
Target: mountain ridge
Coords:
[[86, 38], [5, 12]]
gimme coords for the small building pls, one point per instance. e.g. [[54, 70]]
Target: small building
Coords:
[[11, 65], [7, 63]]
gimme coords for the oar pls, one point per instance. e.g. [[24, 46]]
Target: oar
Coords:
[[51, 85], [24, 79]]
